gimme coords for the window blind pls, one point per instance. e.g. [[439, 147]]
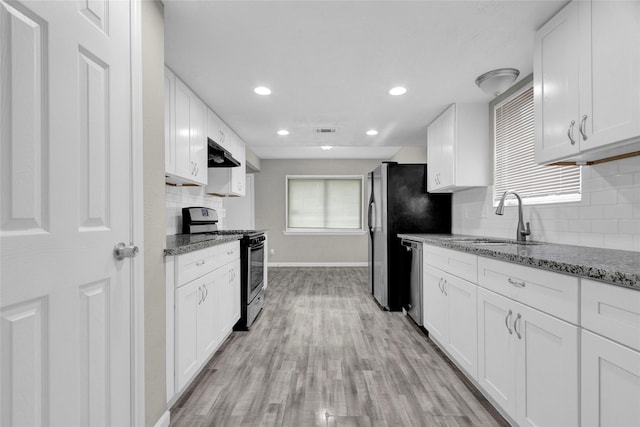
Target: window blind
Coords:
[[324, 203], [515, 167]]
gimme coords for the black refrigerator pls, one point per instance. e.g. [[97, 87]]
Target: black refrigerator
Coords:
[[399, 203]]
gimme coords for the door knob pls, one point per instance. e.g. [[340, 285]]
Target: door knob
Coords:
[[122, 251]]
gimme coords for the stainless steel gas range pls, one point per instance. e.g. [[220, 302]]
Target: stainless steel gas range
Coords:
[[200, 220]]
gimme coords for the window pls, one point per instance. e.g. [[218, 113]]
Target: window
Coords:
[[324, 204], [515, 167]]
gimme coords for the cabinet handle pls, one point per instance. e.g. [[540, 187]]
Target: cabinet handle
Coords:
[[515, 283], [200, 293], [515, 326], [506, 322], [199, 263], [582, 127], [206, 290], [440, 285], [570, 132], [444, 289]]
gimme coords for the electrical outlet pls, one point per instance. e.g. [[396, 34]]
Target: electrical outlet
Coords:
[[272, 251]]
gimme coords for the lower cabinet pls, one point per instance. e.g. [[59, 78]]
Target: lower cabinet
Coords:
[[610, 383], [450, 316], [205, 309], [527, 362]]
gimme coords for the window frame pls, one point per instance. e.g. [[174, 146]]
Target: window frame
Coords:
[[325, 231], [514, 92]]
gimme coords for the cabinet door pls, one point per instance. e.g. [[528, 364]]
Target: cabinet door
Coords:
[[222, 306], [434, 154], [496, 349], [198, 140], [609, 72], [610, 383], [435, 304], [462, 341], [208, 338], [235, 291], [169, 122], [186, 337], [183, 95], [555, 74], [238, 174], [446, 167], [546, 369]]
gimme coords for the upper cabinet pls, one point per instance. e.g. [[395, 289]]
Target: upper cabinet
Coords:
[[229, 181], [586, 82], [458, 150], [185, 134]]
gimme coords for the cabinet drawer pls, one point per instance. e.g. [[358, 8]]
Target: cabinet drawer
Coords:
[[459, 264], [553, 293], [228, 253], [195, 264], [612, 311]]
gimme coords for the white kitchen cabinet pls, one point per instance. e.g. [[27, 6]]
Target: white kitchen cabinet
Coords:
[[205, 296], [185, 136], [169, 122], [229, 181], [458, 149], [585, 91], [527, 362], [610, 383], [217, 130], [450, 315]]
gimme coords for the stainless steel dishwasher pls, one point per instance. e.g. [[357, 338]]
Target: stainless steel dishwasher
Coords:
[[413, 304]]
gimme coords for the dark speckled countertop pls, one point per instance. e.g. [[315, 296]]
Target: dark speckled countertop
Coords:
[[608, 265], [179, 244]]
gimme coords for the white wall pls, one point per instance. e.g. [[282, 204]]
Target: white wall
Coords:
[[178, 197], [608, 215]]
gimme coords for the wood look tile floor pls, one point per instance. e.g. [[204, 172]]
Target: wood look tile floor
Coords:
[[322, 353]]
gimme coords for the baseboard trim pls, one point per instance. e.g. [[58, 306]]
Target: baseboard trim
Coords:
[[317, 264], [164, 420]]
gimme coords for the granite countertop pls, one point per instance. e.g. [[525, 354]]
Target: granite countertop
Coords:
[[179, 244], [608, 265]]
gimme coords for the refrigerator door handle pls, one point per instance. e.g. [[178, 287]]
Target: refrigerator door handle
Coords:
[[369, 224], [372, 225]]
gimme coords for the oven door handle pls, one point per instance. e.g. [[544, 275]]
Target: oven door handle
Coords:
[[258, 246]]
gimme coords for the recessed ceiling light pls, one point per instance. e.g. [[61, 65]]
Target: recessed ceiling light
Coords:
[[283, 132], [261, 90], [399, 90], [372, 132], [326, 147]]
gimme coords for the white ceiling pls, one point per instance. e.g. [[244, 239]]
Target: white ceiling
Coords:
[[332, 63]]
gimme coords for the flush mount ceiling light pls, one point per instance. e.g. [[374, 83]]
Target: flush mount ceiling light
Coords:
[[398, 90], [372, 132], [497, 81], [261, 90], [283, 132], [326, 147]]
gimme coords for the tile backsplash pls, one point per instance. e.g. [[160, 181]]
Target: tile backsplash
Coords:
[[178, 197], [607, 217]]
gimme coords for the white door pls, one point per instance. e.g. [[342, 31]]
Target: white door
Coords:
[[546, 369], [435, 304], [609, 72], [462, 340], [66, 188], [555, 85], [188, 298], [610, 383], [496, 349]]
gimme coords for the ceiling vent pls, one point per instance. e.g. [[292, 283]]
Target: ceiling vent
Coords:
[[325, 130]]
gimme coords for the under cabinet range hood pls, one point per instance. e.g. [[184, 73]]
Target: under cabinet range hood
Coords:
[[218, 157]]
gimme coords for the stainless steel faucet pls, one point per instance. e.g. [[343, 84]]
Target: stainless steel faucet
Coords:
[[522, 232]]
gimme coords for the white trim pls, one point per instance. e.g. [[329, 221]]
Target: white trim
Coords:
[[164, 420], [137, 217], [318, 264]]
